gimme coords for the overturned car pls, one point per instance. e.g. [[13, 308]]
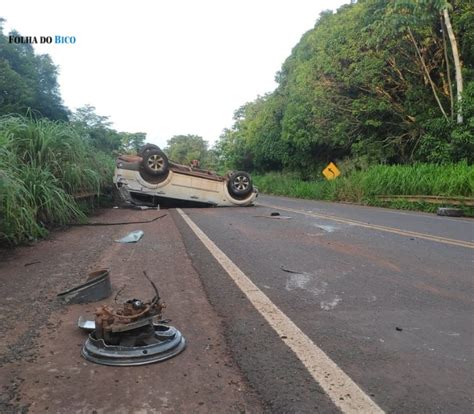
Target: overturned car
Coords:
[[149, 178]]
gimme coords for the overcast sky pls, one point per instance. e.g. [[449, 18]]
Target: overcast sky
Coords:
[[167, 67]]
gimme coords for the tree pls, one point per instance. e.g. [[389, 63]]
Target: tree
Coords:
[[457, 60], [87, 116], [422, 12], [371, 81], [97, 128], [185, 148], [28, 82], [131, 142]]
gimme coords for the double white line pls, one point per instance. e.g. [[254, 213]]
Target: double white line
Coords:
[[344, 392]]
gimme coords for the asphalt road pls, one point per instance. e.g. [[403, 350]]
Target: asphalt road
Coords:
[[387, 295]]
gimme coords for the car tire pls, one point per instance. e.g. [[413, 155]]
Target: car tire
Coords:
[[155, 162], [240, 184], [146, 148]]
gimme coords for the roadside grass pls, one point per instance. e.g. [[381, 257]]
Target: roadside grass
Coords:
[[455, 180], [42, 165]]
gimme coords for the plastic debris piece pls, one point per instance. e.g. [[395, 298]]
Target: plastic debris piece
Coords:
[[132, 237]]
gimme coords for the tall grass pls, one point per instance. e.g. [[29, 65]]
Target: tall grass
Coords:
[[42, 164], [363, 186]]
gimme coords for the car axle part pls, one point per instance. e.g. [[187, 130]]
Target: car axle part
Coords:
[[128, 335]]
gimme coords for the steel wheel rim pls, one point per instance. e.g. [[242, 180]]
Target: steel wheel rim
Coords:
[[156, 162], [241, 183]]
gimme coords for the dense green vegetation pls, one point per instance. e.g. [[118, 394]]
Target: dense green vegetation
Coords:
[[375, 82], [42, 164], [48, 154], [363, 186], [28, 82]]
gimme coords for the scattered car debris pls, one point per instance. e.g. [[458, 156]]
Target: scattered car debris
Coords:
[[86, 324], [31, 263], [290, 271], [132, 237], [119, 223], [168, 342], [146, 207], [128, 336], [450, 212], [97, 287], [272, 216]]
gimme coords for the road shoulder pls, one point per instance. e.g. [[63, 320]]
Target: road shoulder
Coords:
[[41, 367]]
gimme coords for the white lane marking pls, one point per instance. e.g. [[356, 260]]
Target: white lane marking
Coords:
[[344, 392]]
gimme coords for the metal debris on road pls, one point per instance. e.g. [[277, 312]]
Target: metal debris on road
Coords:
[[97, 287], [128, 335], [132, 237], [86, 324], [136, 207], [31, 263], [450, 212], [169, 342], [278, 217], [290, 271], [118, 223]]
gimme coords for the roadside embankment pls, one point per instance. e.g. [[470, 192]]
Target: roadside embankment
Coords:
[[453, 181]]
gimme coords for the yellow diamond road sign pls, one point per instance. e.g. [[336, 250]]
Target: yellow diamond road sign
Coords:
[[331, 171]]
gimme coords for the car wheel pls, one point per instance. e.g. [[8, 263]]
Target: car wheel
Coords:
[[155, 162], [147, 148], [240, 183]]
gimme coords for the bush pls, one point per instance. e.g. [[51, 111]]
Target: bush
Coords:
[[42, 165], [455, 180]]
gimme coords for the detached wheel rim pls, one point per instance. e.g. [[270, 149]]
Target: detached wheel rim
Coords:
[[156, 163], [241, 183]]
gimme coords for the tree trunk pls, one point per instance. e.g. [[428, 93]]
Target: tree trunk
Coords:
[[457, 63], [427, 73], [448, 71]]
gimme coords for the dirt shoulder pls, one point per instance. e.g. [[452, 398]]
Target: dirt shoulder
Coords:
[[41, 369]]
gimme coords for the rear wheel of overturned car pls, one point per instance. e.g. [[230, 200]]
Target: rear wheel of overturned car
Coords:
[[147, 148], [240, 184], [155, 162]]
